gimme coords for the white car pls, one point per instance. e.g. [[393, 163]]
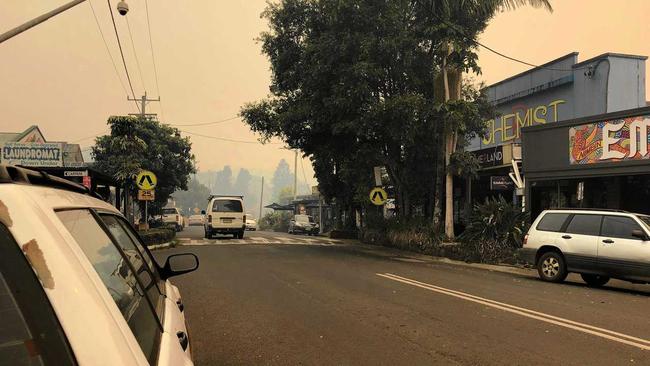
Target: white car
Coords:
[[172, 216], [225, 215], [195, 220], [251, 224], [77, 287], [596, 243]]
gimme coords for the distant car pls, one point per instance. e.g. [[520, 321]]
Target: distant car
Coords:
[[225, 215], [251, 224], [596, 243], [77, 285], [195, 220], [172, 216], [303, 224]]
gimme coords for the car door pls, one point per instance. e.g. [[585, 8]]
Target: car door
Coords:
[[579, 242], [620, 253]]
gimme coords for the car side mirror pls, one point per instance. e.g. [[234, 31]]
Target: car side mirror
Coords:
[[178, 264], [202, 212], [639, 234]]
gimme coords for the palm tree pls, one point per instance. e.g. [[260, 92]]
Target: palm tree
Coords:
[[463, 21]]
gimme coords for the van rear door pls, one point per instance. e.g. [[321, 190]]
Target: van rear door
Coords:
[[228, 213]]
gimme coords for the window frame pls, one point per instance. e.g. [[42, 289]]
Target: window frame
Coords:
[[37, 311], [159, 321]]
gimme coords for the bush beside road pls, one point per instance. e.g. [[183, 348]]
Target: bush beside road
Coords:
[[157, 236]]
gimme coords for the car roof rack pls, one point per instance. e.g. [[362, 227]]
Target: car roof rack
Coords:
[[224, 195], [588, 209], [22, 175]]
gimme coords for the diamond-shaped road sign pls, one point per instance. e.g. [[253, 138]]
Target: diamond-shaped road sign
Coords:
[[146, 180]]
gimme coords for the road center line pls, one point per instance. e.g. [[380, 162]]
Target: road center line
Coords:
[[643, 344]]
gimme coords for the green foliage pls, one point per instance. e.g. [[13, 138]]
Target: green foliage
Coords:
[[157, 236], [276, 221], [416, 234], [135, 144], [495, 230], [196, 196], [464, 164]]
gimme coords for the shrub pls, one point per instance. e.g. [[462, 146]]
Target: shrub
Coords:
[[415, 234], [495, 230], [157, 236], [276, 221]]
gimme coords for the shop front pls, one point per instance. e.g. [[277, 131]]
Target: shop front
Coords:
[[594, 162]]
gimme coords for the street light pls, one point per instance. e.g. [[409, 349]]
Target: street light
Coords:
[[122, 8]]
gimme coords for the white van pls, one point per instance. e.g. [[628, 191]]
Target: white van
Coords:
[[225, 215]]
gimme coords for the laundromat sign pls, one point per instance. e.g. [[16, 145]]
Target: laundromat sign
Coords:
[[49, 154], [610, 141]]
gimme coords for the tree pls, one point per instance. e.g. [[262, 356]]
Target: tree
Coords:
[[196, 196], [223, 181], [457, 25], [136, 144], [282, 178]]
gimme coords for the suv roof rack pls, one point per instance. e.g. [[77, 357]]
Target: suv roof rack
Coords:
[[588, 209], [224, 195], [22, 175]]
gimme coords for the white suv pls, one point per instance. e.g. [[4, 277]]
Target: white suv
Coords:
[[172, 216], [599, 244], [225, 215], [77, 286]]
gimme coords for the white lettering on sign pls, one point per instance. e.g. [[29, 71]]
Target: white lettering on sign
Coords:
[[33, 154], [640, 146], [608, 141]]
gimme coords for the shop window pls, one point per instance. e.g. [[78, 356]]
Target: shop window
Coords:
[[552, 221], [584, 225]]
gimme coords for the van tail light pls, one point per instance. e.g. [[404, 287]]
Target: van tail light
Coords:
[[525, 239], [210, 218], [244, 218], [176, 217]]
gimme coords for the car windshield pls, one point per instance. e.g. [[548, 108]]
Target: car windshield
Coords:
[[169, 211], [227, 206], [303, 218]]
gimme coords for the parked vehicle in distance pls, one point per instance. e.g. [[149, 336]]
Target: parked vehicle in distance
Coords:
[[303, 224], [596, 243], [172, 216], [195, 220], [225, 215], [251, 223], [77, 285]]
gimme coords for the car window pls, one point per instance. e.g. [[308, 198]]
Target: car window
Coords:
[[30, 333], [227, 206], [645, 220], [169, 211], [552, 222], [619, 227], [140, 260], [584, 224], [118, 277], [303, 218]]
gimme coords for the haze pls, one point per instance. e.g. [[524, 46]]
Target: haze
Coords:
[[59, 76]]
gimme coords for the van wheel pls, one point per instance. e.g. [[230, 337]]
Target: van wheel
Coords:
[[552, 267], [594, 280]]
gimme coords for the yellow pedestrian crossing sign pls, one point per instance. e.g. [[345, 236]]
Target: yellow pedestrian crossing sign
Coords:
[[146, 180], [378, 196]]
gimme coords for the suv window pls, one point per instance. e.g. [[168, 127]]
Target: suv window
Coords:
[[227, 206], [619, 227], [584, 224], [30, 333], [552, 222], [140, 261], [117, 274], [303, 218], [169, 211]]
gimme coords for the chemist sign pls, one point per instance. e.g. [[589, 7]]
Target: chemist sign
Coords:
[[49, 154]]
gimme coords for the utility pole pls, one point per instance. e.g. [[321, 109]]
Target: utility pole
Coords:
[[295, 175], [143, 105], [261, 200]]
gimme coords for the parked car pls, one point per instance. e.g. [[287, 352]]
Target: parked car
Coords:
[[77, 285], [172, 216], [251, 223], [598, 244], [195, 220], [225, 215], [303, 224]]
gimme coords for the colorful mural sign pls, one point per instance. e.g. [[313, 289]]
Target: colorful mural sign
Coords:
[[610, 141]]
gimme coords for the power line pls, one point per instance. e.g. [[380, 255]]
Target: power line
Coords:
[[153, 58], [88, 137], [206, 123], [135, 54], [227, 139], [117, 36]]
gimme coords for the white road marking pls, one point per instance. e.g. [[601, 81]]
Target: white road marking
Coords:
[[260, 240], [643, 344]]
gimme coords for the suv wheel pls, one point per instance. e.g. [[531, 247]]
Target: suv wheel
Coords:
[[551, 267], [594, 280]]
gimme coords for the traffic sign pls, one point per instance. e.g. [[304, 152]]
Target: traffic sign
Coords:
[[146, 180], [146, 195], [378, 196]]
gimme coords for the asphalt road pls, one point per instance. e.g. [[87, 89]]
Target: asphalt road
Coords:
[[328, 303]]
